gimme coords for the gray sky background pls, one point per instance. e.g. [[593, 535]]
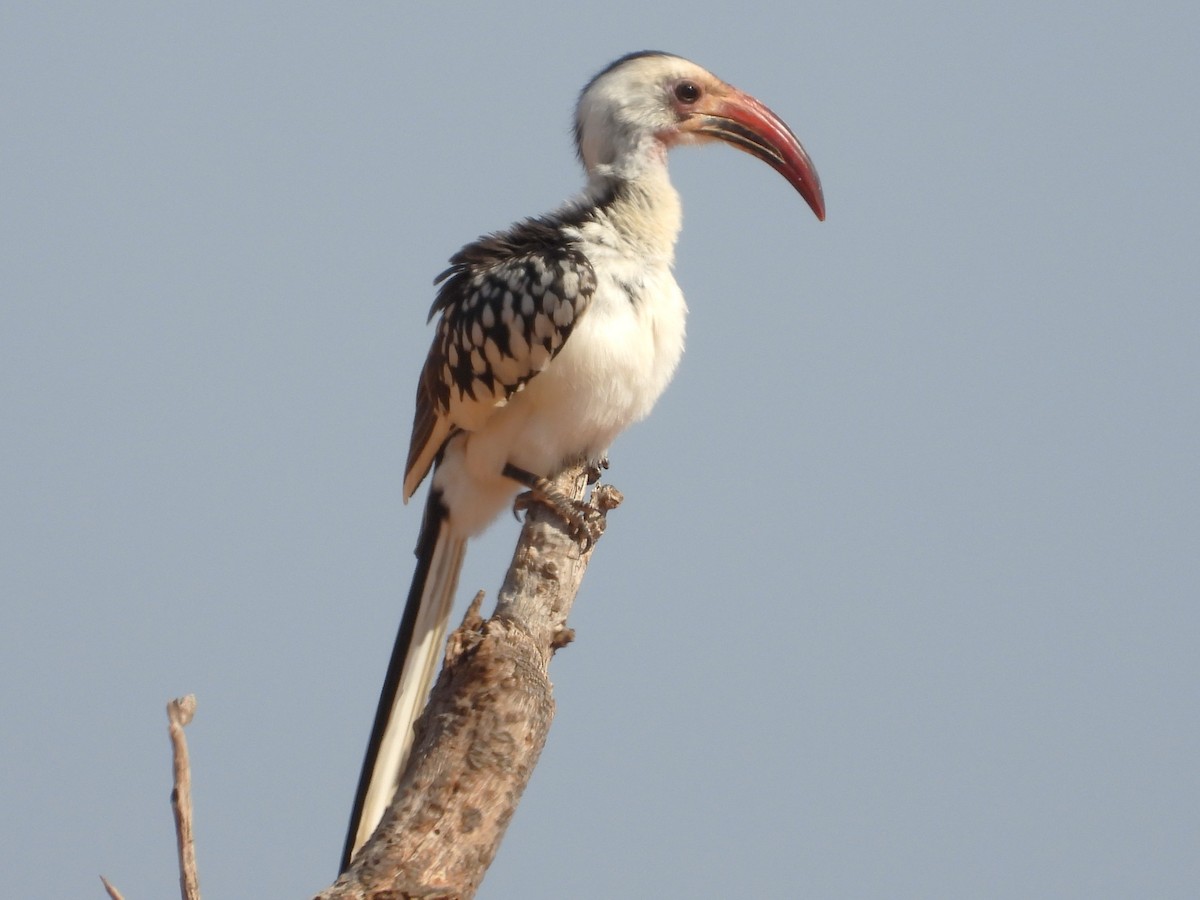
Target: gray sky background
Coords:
[[903, 599]]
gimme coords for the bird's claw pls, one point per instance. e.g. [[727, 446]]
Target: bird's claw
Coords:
[[587, 526], [593, 469], [585, 523]]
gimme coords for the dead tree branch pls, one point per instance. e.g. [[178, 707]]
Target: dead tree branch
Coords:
[[484, 727], [179, 714]]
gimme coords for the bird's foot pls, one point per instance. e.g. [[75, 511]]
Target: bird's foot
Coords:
[[593, 470], [585, 523]]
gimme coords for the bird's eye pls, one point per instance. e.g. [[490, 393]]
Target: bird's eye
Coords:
[[687, 92]]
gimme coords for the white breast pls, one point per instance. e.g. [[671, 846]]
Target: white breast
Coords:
[[609, 374]]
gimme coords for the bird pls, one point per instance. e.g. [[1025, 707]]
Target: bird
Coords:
[[554, 336]]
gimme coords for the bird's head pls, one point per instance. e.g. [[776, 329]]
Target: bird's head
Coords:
[[643, 104]]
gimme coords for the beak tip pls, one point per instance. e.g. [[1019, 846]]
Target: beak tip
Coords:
[[816, 201]]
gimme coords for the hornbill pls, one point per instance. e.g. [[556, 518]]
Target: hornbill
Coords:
[[553, 337]]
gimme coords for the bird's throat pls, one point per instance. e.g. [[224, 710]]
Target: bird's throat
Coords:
[[642, 213]]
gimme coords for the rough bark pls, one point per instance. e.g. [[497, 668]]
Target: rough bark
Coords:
[[484, 727]]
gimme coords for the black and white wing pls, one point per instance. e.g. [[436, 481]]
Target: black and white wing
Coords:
[[508, 303]]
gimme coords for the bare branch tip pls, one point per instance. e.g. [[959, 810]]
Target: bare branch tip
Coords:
[[472, 622], [606, 497], [113, 893], [181, 710]]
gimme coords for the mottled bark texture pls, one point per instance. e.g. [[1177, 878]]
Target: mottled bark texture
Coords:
[[484, 727]]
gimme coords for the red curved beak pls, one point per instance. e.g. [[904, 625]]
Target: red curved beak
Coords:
[[745, 123]]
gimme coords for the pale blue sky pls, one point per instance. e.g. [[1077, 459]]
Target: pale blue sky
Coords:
[[903, 599]]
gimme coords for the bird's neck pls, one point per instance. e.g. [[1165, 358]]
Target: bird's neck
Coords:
[[639, 206]]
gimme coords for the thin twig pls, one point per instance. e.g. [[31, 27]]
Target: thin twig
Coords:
[[179, 714]]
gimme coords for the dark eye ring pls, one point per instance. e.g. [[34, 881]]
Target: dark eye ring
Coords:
[[687, 92]]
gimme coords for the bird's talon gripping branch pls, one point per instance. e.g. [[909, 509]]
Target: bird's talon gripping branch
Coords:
[[589, 527], [594, 470], [585, 523]]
